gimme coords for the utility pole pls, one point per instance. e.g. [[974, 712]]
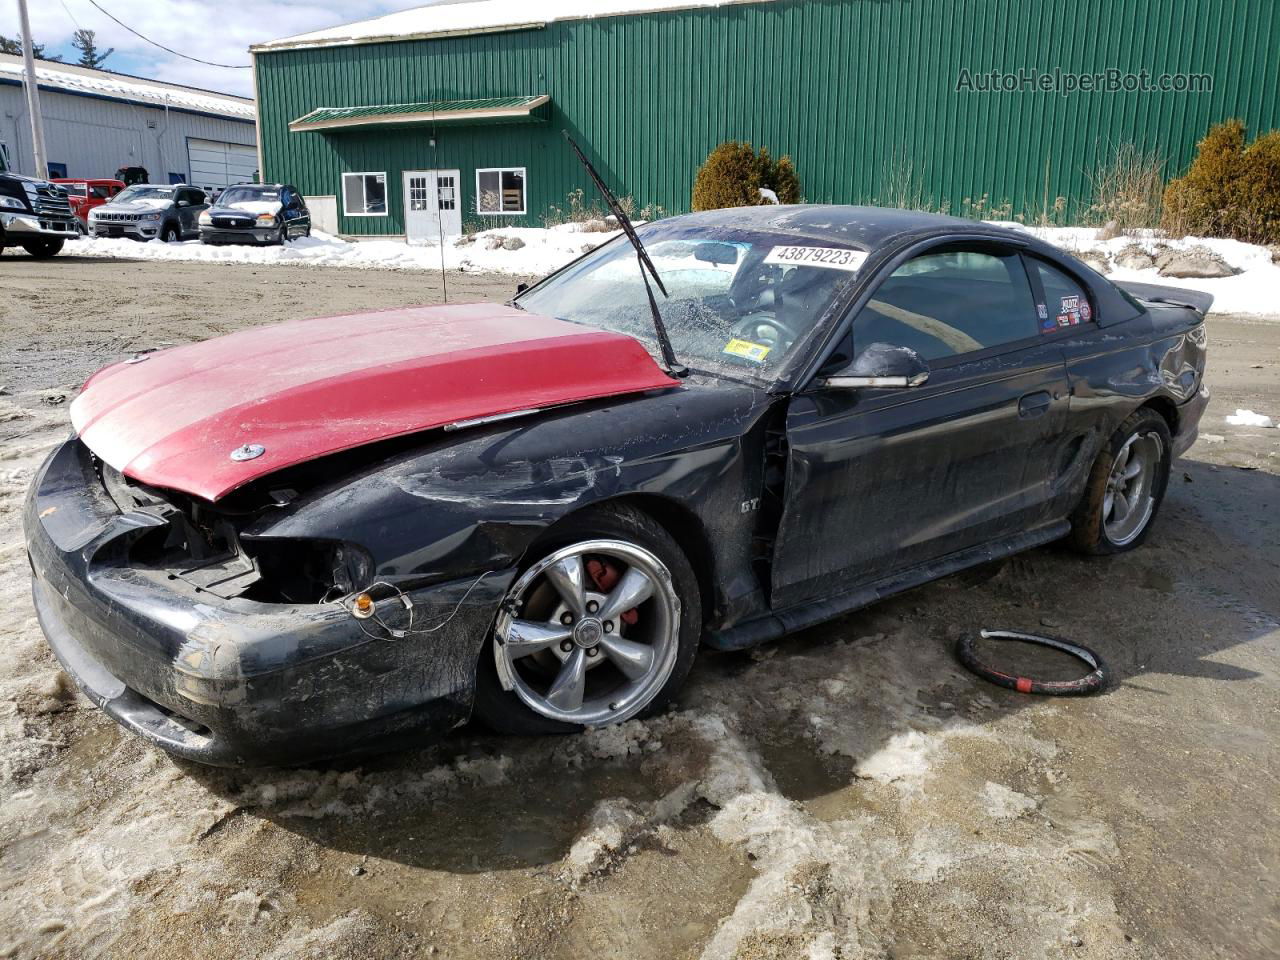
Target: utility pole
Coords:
[[33, 93]]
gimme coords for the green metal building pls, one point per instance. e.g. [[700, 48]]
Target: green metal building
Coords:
[[449, 116]]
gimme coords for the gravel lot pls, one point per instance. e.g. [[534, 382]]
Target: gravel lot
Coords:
[[857, 795]]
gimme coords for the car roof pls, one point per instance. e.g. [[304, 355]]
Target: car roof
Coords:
[[864, 227]]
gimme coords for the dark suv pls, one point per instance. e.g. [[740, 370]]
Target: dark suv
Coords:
[[256, 213], [34, 214]]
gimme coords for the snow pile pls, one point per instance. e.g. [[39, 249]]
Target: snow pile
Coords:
[[1253, 290], [1247, 418], [542, 250]]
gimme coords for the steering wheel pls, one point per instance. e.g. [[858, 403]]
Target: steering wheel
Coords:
[[748, 328]]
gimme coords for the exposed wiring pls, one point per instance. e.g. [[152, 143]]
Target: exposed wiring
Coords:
[[154, 43], [403, 598]]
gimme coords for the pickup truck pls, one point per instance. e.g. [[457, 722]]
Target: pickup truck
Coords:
[[86, 194], [34, 214]]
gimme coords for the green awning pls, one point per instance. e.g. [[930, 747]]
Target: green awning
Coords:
[[451, 112]]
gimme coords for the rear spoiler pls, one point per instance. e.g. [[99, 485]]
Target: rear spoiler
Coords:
[[1174, 296]]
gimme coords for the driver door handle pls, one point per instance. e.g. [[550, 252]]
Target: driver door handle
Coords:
[[1034, 404]]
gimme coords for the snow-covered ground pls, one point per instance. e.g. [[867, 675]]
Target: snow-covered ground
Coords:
[[1255, 289], [543, 250]]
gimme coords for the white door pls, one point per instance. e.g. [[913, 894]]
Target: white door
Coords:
[[216, 164], [431, 207]]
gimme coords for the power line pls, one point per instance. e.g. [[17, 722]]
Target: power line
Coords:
[[207, 63]]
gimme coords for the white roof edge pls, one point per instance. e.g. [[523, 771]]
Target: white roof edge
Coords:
[[75, 79], [476, 17]]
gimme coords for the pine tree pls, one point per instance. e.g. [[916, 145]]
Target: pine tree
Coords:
[[14, 46], [83, 40]]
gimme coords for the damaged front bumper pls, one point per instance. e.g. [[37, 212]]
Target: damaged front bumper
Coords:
[[233, 681]]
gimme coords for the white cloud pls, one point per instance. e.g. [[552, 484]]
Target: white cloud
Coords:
[[220, 31]]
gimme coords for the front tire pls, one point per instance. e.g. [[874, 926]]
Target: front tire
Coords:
[[601, 626], [43, 249], [170, 234], [1126, 487]]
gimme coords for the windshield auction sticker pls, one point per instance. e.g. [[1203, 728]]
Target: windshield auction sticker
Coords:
[[747, 350], [832, 258]]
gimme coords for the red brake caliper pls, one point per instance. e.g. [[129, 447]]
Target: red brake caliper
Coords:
[[606, 576]]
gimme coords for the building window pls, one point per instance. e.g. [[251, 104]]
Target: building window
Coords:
[[500, 191], [364, 194]]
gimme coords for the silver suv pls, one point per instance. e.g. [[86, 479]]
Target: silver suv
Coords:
[[146, 211]]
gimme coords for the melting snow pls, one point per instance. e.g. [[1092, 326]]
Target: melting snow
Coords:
[[543, 250], [1247, 418]]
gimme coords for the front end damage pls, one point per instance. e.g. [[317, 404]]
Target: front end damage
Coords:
[[232, 649]]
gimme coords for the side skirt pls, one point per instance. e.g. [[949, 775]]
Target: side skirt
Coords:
[[753, 632]]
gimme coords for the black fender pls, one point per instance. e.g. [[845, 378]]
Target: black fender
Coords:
[[459, 503]]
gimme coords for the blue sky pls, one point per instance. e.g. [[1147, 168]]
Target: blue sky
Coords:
[[216, 30]]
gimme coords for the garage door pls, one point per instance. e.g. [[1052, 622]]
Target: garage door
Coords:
[[215, 164]]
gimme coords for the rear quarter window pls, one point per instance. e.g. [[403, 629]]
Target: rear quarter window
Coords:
[[1065, 302]]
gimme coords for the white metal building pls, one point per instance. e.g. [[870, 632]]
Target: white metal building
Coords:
[[96, 122]]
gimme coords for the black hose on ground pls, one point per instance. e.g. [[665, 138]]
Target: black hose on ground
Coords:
[[1092, 682]]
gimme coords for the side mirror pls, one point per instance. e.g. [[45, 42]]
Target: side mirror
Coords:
[[521, 288], [881, 365]]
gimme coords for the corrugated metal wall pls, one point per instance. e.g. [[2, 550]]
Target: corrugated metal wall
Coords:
[[95, 137], [861, 93]]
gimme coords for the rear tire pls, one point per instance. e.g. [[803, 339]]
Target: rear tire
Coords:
[[42, 249], [665, 649], [1125, 488]]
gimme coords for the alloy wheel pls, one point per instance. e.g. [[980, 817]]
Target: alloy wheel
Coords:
[[589, 634], [1130, 500]]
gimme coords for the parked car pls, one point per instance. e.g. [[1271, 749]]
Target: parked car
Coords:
[[85, 195], [146, 211], [256, 213], [34, 214], [320, 536]]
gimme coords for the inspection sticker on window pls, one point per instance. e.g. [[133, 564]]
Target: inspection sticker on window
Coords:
[[747, 350], [832, 258]]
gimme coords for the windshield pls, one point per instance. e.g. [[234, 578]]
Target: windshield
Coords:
[[739, 300], [144, 191], [232, 196], [75, 189]]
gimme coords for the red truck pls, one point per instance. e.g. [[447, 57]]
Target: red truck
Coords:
[[87, 194]]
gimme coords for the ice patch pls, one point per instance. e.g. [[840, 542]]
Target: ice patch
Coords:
[[1003, 803]]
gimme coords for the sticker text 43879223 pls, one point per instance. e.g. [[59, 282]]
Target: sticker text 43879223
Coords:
[[831, 258]]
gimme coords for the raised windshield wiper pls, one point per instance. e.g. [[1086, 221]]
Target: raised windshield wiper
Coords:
[[674, 367]]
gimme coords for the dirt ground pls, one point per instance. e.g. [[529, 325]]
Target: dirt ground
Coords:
[[846, 793]]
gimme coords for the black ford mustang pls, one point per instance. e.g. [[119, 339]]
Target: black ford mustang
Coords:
[[328, 535]]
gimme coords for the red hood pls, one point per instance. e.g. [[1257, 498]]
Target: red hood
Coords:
[[307, 388]]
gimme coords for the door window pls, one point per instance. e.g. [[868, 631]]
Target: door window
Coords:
[[419, 193], [949, 303], [1065, 302], [447, 191]]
